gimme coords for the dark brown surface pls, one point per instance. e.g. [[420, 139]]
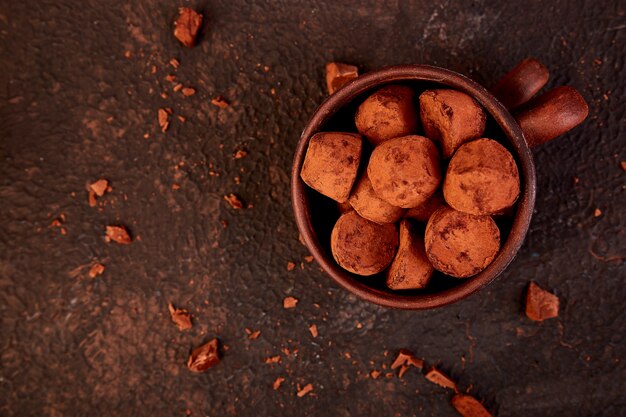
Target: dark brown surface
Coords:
[[73, 346]]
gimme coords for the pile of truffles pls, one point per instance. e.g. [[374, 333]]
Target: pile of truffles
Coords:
[[400, 213]]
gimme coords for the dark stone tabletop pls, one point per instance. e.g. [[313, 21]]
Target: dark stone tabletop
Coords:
[[81, 84]]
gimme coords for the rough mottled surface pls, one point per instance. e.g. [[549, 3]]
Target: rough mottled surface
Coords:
[[74, 108]]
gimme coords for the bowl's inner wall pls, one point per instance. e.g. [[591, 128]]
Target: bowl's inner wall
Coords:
[[324, 211]]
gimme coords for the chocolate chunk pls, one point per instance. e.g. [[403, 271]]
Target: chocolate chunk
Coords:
[[204, 357], [180, 317], [541, 304], [118, 234], [187, 26]]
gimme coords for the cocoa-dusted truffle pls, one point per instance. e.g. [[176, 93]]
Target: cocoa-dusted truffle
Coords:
[[410, 268], [461, 244], [361, 246], [451, 118], [405, 171], [388, 113], [365, 201], [331, 163], [482, 178], [423, 212]]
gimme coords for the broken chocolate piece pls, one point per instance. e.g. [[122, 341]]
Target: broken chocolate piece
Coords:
[[468, 406], [338, 74], [313, 330], [437, 377], [290, 302], [204, 357], [96, 269], [99, 187], [304, 390], [164, 119], [220, 102], [187, 26], [234, 201], [180, 317], [118, 234], [188, 91], [541, 304]]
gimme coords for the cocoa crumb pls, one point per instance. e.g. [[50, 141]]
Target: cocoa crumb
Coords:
[[91, 198], [468, 406], [437, 377], [304, 390], [241, 153], [541, 304], [272, 359], [118, 234], [182, 119], [96, 269], [597, 213], [188, 91], [375, 374], [187, 26], [309, 258], [253, 335], [177, 87], [164, 119], [175, 186], [175, 63], [290, 302], [99, 187], [313, 330], [171, 78], [234, 201], [180, 317], [622, 165], [290, 266], [204, 357], [220, 102], [278, 382]]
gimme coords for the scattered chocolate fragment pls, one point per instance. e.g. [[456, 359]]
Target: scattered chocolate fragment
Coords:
[[597, 213], [188, 91], [309, 258], [338, 74], [187, 25], [253, 335], [278, 382], [96, 269], [403, 370], [541, 304], [220, 102], [468, 406], [290, 302], [240, 153], [437, 377], [164, 119], [204, 357], [272, 359], [175, 63], [180, 317], [91, 198], [178, 87], [304, 390], [331, 163], [291, 266], [406, 358], [313, 330], [622, 165], [99, 187], [234, 201], [118, 234]]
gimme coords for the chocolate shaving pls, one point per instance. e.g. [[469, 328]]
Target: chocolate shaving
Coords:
[[290, 302], [468, 406], [304, 390], [234, 201], [204, 357], [541, 304], [180, 317], [187, 26], [175, 63], [278, 382], [437, 377], [220, 102], [164, 119], [118, 234], [96, 269]]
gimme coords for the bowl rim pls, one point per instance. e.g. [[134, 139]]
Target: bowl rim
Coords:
[[509, 126]]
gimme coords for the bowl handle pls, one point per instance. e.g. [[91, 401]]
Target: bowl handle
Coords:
[[547, 116]]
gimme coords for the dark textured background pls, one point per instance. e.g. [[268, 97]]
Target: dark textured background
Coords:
[[73, 108]]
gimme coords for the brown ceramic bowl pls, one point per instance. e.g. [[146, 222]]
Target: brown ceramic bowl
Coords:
[[316, 214]]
